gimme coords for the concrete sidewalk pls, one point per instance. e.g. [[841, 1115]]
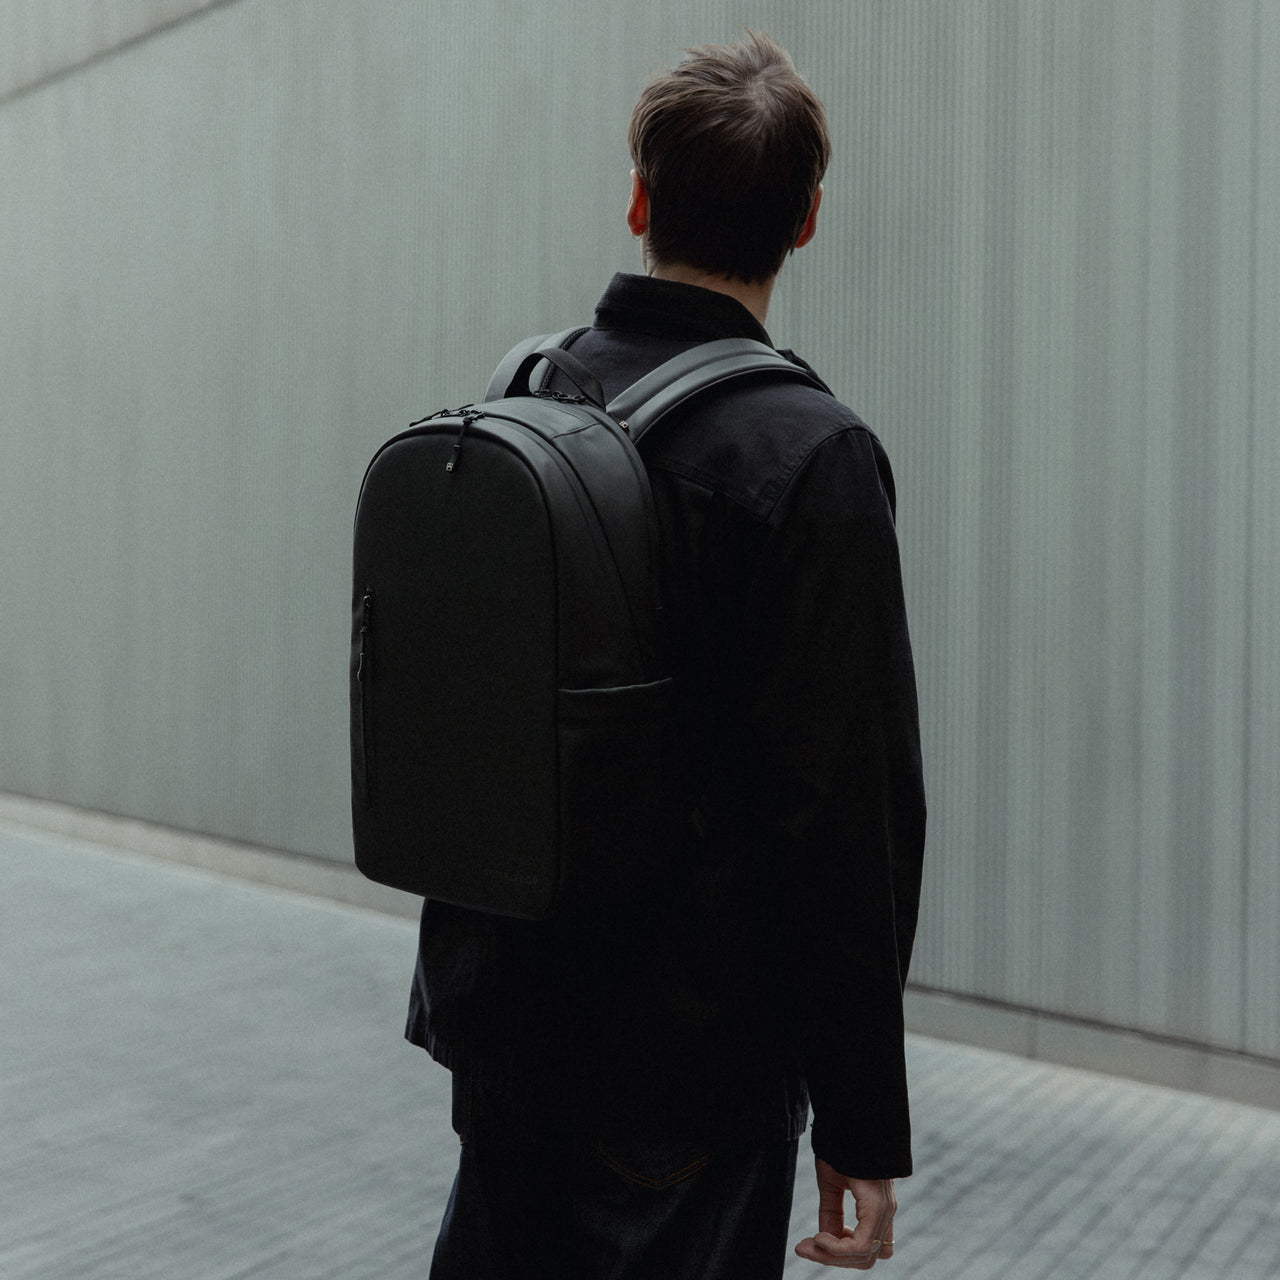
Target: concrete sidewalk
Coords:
[[203, 1079]]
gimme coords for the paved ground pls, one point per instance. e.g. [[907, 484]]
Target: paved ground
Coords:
[[203, 1079]]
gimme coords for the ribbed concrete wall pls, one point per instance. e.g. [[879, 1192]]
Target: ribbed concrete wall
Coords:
[[1063, 280], [238, 252], [40, 39]]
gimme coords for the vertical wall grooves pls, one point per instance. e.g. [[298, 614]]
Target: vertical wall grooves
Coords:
[[1247, 976], [48, 39]]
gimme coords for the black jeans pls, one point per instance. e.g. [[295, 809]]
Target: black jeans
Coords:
[[539, 1193]]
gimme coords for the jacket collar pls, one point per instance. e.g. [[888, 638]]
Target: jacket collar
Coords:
[[668, 309]]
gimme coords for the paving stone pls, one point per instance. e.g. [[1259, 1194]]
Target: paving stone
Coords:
[[204, 1079]]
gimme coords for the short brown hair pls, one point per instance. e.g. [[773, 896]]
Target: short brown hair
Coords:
[[731, 145]]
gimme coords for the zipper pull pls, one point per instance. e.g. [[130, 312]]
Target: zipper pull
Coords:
[[468, 417], [366, 608]]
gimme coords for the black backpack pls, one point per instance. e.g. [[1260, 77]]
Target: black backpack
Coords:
[[511, 726]]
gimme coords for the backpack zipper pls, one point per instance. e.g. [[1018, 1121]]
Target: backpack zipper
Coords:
[[364, 765], [468, 413], [468, 417]]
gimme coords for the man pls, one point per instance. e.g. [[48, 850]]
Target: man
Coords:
[[630, 1088]]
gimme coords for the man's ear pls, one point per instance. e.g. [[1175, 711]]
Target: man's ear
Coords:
[[811, 222], [638, 206]]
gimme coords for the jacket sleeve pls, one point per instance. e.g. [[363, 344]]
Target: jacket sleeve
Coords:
[[833, 731]]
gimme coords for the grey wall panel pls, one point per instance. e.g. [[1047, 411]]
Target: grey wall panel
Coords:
[[44, 38], [1194, 663], [1261, 915], [1055, 317], [241, 254], [244, 250]]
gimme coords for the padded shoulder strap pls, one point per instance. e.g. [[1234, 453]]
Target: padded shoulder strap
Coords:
[[506, 371], [662, 389], [697, 370]]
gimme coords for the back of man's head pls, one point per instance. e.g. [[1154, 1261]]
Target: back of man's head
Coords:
[[731, 145]]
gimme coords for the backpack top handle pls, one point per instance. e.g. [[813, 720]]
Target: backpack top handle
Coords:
[[568, 364]]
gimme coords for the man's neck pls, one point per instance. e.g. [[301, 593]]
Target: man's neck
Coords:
[[755, 297]]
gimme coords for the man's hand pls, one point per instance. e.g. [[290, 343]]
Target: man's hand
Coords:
[[836, 1245]]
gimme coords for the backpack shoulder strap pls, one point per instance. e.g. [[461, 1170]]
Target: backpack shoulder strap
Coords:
[[691, 372], [669, 385], [505, 373]]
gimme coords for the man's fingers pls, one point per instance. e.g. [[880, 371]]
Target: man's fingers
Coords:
[[838, 1245], [831, 1206], [885, 1231], [875, 1205], [846, 1252]]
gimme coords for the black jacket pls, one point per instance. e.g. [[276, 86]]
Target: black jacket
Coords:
[[768, 961]]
